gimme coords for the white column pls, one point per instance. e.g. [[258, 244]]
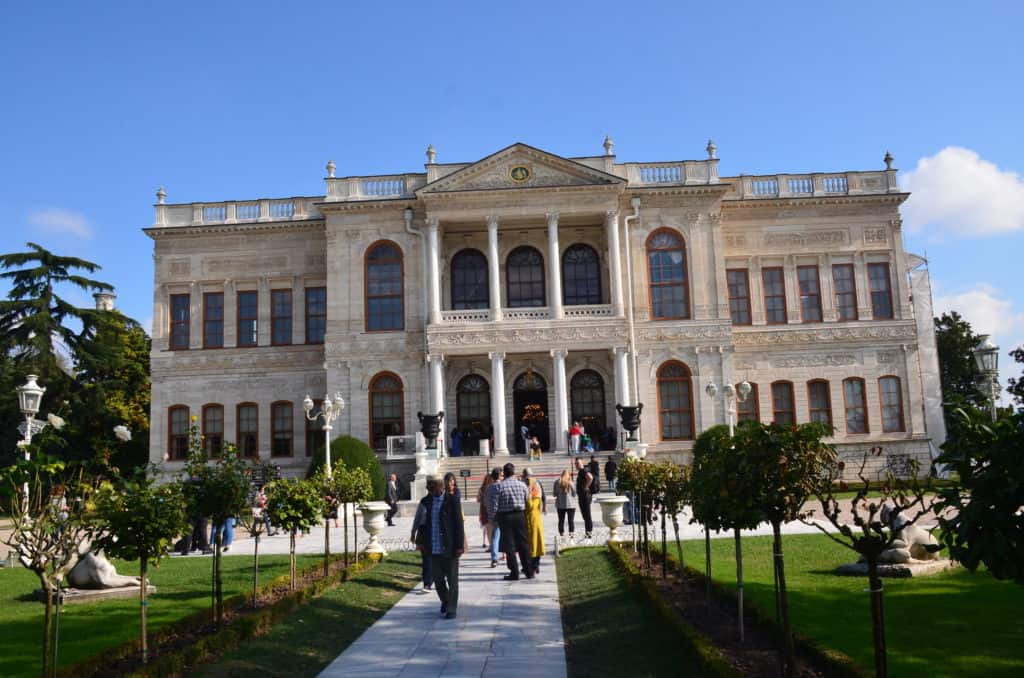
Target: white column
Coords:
[[494, 267], [622, 395], [554, 267], [498, 401], [436, 383], [433, 273], [560, 442], [611, 222]]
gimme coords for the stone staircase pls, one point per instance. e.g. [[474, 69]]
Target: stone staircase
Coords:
[[548, 468]]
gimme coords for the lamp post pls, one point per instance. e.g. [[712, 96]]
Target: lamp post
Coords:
[[731, 395], [30, 397], [329, 411], [986, 357]]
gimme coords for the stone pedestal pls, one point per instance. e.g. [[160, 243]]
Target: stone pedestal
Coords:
[[913, 568], [611, 514], [373, 522]]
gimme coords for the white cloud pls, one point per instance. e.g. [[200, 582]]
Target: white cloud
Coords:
[[956, 192], [61, 221]]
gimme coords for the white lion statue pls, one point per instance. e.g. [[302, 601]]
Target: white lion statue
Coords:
[[94, 571], [911, 543]]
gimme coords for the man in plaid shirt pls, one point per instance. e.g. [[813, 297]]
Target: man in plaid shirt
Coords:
[[507, 503]]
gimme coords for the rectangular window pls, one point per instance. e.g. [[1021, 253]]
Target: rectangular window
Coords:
[[213, 430], [177, 433], [180, 321], [248, 319], [281, 430], [748, 409], [316, 314], [213, 320], [846, 292], [783, 407], [881, 291], [855, 405], [739, 295], [819, 402], [280, 317], [892, 404], [314, 437], [810, 294], [774, 295], [248, 430]]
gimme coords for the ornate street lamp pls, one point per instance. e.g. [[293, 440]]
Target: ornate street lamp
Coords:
[[986, 357], [329, 411], [430, 426], [731, 395]]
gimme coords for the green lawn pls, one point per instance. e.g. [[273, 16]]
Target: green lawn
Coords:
[[608, 632], [313, 636], [183, 588], [950, 624]]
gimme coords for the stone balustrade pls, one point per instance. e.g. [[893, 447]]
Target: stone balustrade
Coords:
[[808, 185], [466, 316], [482, 315], [237, 212], [373, 188], [681, 173]]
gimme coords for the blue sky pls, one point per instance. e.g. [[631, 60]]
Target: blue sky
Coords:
[[101, 104]]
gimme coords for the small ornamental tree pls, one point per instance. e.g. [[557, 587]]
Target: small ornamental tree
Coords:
[[871, 535], [140, 521], [354, 486], [294, 505], [676, 495], [638, 478], [219, 491], [724, 484], [982, 515], [331, 488]]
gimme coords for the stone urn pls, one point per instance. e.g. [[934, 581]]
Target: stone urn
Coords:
[[430, 426], [630, 416], [373, 522], [611, 514]]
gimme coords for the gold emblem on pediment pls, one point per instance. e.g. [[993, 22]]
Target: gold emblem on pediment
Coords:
[[520, 174]]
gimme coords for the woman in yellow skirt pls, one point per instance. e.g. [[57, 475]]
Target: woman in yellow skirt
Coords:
[[535, 506]]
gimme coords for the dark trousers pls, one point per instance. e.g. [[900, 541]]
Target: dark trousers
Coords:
[[428, 577], [562, 513], [588, 523], [392, 510], [196, 539], [445, 570], [513, 541]]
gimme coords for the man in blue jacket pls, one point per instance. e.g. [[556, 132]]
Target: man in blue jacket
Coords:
[[442, 536]]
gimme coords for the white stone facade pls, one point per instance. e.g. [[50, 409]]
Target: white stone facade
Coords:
[[558, 323]]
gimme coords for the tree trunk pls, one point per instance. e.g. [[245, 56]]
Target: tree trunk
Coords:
[[56, 632], [344, 518], [707, 564], [787, 649], [327, 544], [664, 546], [47, 628], [218, 582], [291, 560], [679, 545], [739, 581], [143, 563], [255, 570], [877, 618]]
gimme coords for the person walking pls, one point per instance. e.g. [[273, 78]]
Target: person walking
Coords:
[[418, 526], [610, 471], [535, 507], [584, 493], [392, 499], [575, 433], [524, 433], [508, 503], [535, 451], [492, 518], [443, 537], [595, 470], [481, 495], [565, 504]]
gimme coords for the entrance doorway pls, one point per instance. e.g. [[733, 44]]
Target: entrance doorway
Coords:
[[530, 408]]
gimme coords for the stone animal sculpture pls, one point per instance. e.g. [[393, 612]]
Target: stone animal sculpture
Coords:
[[911, 543], [94, 571]]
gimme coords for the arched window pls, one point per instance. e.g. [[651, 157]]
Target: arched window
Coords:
[[748, 409], [891, 395], [247, 424], [524, 277], [386, 418], [783, 405], [666, 268], [384, 303], [177, 432], [855, 405], [586, 396], [675, 401], [819, 402], [470, 280], [472, 412], [281, 429], [581, 276], [213, 430]]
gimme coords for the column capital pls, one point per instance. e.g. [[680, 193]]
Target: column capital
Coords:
[[559, 353], [433, 222], [611, 215], [619, 350], [435, 358], [552, 219], [496, 355], [492, 221]]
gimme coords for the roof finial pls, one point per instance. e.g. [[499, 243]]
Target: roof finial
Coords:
[[608, 145], [431, 154], [711, 149], [161, 195], [888, 160], [330, 169]]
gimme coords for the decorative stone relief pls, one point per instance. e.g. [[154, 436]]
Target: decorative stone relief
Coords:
[[684, 333], [875, 235], [736, 240], [804, 238], [181, 267], [869, 333], [816, 360], [316, 260], [529, 336], [884, 357], [240, 265], [539, 176], [744, 364]]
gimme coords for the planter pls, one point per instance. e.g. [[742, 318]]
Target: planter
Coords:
[[611, 514], [373, 522]]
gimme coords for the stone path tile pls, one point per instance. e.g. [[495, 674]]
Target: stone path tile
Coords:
[[503, 629]]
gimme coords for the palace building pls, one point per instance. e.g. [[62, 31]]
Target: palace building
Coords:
[[526, 284]]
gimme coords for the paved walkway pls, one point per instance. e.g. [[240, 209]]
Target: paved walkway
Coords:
[[504, 628]]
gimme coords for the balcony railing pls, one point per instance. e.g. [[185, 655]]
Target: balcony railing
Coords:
[[236, 212], [589, 311], [374, 188], [805, 185], [481, 315], [681, 173], [466, 316]]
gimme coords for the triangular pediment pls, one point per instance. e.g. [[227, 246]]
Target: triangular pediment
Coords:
[[520, 166]]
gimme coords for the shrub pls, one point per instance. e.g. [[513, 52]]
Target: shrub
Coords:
[[353, 453]]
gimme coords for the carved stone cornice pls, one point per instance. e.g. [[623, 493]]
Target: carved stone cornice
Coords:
[[295, 226], [527, 339], [703, 332], [889, 332]]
